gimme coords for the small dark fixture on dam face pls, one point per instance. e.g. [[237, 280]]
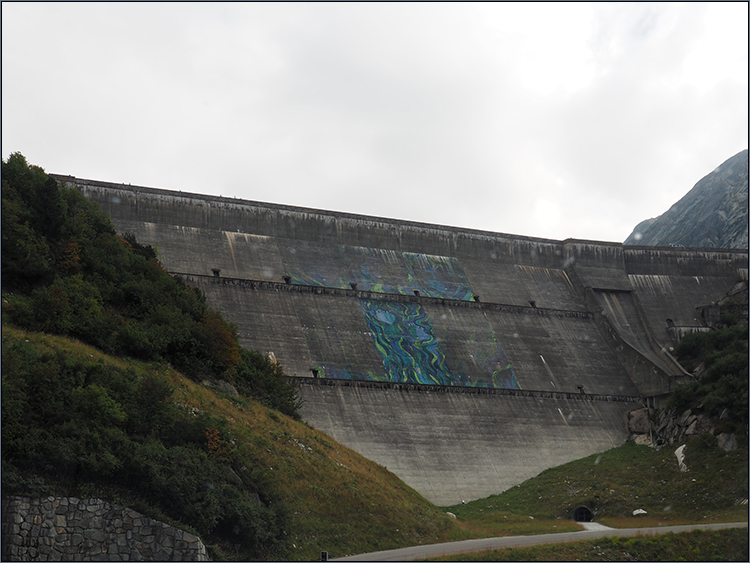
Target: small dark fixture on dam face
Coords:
[[582, 514], [216, 272]]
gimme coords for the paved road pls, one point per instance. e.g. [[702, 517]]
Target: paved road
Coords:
[[467, 546]]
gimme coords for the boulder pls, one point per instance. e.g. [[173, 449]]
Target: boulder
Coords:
[[682, 419], [727, 441], [680, 453], [222, 385], [642, 439], [692, 428], [639, 422]]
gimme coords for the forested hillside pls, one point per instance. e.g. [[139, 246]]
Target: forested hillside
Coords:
[[719, 361], [81, 426], [66, 271]]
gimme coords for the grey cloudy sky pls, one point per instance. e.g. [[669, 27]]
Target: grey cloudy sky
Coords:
[[549, 120]]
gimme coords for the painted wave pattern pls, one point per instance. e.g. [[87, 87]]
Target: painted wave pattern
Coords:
[[439, 276], [401, 332], [404, 338], [411, 353], [378, 270]]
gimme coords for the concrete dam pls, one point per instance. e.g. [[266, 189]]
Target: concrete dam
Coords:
[[464, 361]]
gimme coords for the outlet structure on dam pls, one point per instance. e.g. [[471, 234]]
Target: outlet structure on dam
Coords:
[[464, 361]]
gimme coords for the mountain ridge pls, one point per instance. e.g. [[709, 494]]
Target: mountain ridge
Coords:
[[713, 214]]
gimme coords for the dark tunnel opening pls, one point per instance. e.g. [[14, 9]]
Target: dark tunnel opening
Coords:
[[582, 514]]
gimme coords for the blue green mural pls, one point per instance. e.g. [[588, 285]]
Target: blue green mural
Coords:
[[438, 276], [375, 269], [412, 349], [404, 338], [412, 352]]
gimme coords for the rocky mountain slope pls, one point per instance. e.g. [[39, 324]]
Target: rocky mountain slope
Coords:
[[711, 215]]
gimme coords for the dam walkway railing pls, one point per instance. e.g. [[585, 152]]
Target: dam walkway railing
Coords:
[[363, 294], [421, 388]]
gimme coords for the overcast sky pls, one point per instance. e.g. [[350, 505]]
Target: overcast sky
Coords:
[[549, 120]]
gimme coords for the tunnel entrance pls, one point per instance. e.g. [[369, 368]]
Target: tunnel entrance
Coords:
[[582, 514]]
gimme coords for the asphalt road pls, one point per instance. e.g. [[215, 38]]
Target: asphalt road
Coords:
[[468, 546]]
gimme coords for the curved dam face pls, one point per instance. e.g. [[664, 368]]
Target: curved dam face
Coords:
[[464, 361]]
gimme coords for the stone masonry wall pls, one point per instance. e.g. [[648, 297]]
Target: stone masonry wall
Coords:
[[71, 529]]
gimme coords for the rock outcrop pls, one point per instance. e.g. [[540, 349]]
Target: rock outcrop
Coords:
[[711, 215], [661, 428]]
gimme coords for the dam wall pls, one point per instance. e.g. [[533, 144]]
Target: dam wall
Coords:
[[343, 301], [453, 444]]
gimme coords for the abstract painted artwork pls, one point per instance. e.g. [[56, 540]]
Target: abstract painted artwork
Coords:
[[375, 269], [411, 351], [438, 276], [412, 348], [404, 338]]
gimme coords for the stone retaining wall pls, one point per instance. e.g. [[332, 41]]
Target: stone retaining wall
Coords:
[[71, 529]]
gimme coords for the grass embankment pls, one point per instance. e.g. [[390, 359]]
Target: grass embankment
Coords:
[[333, 499], [338, 501], [721, 545], [615, 483]]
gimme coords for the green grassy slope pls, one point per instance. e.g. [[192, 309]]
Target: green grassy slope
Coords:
[[615, 483], [722, 545], [201, 449]]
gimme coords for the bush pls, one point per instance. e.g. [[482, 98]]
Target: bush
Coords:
[[258, 377], [723, 387], [74, 424], [79, 278]]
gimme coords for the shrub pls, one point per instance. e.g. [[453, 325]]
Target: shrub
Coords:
[[80, 279], [72, 423], [723, 386], [258, 377]]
